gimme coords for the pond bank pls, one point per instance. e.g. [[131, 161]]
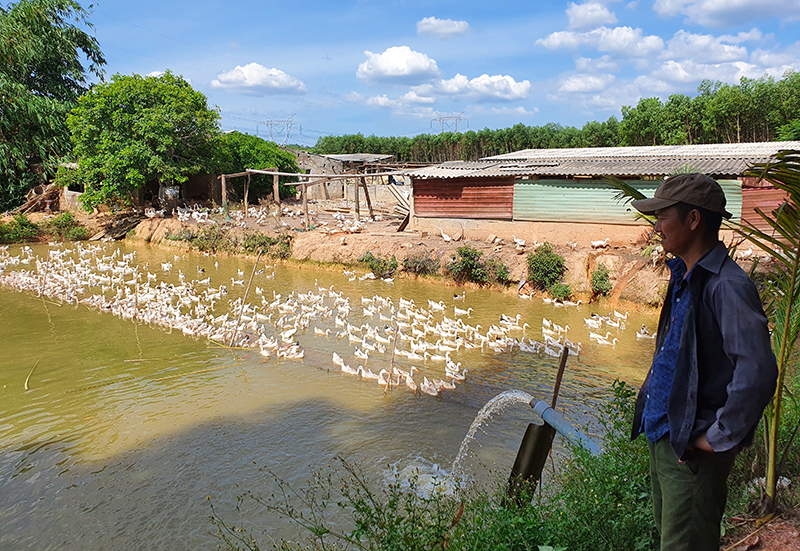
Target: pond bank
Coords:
[[632, 275]]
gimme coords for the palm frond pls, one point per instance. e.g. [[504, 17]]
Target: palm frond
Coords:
[[628, 193]]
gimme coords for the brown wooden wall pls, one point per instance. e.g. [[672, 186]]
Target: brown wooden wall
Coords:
[[487, 198], [766, 199]]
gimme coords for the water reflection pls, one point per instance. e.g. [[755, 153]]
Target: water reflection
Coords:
[[127, 427]]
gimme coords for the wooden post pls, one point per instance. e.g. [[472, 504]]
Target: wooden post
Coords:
[[276, 192], [358, 212], [225, 197], [246, 194], [366, 195], [305, 204]]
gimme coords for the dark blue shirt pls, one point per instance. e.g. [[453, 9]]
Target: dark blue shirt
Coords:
[[655, 420]]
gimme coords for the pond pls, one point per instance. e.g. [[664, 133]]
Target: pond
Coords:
[[117, 423]]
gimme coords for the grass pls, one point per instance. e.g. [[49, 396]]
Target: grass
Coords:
[[64, 227]]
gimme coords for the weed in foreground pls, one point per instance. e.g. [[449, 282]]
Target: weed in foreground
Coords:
[[596, 503]]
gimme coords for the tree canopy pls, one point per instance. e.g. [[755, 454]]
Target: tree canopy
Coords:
[[237, 152], [137, 129], [753, 110], [47, 60]]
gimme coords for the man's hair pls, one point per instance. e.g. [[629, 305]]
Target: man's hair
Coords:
[[711, 220]]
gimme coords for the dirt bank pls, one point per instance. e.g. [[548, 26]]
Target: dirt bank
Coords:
[[632, 275]]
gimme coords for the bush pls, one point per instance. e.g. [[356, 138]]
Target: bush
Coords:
[[275, 247], [381, 267], [601, 285], [545, 267], [421, 265], [66, 227], [467, 265], [603, 501], [560, 291], [18, 230], [498, 271]]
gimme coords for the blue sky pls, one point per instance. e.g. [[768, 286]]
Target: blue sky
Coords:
[[392, 68]]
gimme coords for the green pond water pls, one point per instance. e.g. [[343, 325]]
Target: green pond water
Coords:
[[117, 443]]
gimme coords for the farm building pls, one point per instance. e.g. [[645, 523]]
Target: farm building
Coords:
[[535, 191]]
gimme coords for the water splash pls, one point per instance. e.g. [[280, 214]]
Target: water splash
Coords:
[[422, 477], [495, 405]]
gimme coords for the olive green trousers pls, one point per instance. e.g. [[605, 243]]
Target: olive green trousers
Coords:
[[689, 496]]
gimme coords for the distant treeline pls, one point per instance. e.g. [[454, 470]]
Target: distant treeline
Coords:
[[755, 110]]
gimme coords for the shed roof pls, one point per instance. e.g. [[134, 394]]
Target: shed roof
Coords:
[[713, 159]]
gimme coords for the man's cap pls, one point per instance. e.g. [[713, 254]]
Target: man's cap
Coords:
[[694, 189]]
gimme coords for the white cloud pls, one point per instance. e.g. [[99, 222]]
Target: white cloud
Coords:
[[589, 15], [585, 83], [587, 65], [702, 48], [257, 80], [442, 27], [398, 64], [413, 97], [752, 35], [155, 74], [721, 13], [688, 71], [623, 41], [482, 88], [519, 111]]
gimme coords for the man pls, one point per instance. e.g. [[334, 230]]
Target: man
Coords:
[[713, 370]]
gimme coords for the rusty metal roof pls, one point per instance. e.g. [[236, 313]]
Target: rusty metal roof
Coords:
[[656, 161]]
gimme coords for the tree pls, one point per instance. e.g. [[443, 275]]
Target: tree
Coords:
[[47, 60], [782, 244], [137, 129], [236, 152]]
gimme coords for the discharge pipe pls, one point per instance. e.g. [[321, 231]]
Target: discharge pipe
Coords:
[[563, 427]]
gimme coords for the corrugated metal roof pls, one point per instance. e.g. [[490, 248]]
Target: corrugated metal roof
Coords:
[[747, 150], [359, 157], [656, 161]]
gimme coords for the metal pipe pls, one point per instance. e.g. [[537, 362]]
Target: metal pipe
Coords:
[[564, 427]]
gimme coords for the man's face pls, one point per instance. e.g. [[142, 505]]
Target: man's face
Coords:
[[676, 234]]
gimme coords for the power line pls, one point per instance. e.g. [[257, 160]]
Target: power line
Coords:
[[449, 122], [281, 126]]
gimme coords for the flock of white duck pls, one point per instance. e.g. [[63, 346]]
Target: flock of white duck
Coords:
[[377, 329]]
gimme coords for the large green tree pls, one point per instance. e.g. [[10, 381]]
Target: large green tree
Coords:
[[236, 152], [47, 60], [136, 129]]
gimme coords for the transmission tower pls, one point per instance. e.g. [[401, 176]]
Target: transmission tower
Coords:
[[449, 123], [277, 127]]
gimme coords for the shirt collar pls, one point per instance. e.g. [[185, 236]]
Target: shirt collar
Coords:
[[711, 262]]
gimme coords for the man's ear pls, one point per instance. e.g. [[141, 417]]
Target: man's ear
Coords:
[[695, 219]]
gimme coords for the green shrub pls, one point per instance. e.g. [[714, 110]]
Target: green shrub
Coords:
[[498, 271], [545, 266], [560, 291], [601, 285], [18, 230], [66, 226], [421, 265], [212, 239], [603, 501], [381, 267], [275, 247], [467, 265]]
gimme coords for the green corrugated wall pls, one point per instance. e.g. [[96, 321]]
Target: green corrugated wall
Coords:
[[592, 201]]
